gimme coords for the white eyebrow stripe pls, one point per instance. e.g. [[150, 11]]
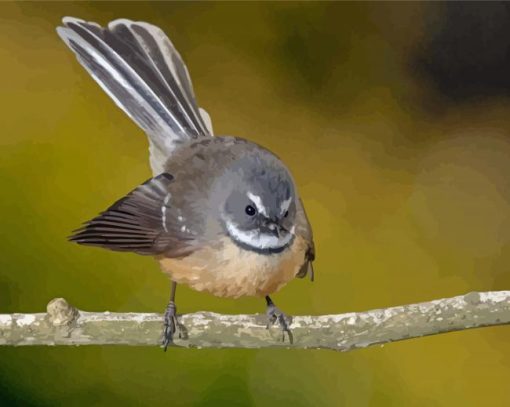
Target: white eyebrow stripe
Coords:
[[285, 205], [258, 203]]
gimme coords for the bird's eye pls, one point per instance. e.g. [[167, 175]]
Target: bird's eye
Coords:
[[286, 214], [250, 210]]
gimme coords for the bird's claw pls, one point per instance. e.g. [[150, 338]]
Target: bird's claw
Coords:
[[171, 325], [275, 315]]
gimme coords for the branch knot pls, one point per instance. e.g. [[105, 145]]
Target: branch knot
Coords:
[[61, 313]]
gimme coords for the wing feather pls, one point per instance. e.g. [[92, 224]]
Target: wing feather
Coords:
[[140, 222]]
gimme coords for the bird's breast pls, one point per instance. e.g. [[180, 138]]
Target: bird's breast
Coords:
[[226, 270]]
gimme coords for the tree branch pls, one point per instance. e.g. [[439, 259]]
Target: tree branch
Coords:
[[65, 325]]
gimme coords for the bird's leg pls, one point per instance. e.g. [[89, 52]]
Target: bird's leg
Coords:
[[275, 315], [171, 325]]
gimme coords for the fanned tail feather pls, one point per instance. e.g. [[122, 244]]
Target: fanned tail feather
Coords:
[[138, 66]]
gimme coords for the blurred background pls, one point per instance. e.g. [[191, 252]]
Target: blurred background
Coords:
[[394, 119]]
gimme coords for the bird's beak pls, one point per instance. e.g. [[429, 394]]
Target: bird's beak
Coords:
[[274, 228]]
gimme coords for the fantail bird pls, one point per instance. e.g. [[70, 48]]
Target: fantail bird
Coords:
[[221, 214]]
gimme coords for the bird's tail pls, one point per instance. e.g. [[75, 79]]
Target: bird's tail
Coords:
[[138, 66]]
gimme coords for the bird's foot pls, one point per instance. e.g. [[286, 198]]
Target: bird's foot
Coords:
[[274, 315], [171, 325]]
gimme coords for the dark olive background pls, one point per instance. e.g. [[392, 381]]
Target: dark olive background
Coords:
[[393, 117]]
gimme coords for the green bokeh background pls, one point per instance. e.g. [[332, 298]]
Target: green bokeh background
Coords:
[[408, 203]]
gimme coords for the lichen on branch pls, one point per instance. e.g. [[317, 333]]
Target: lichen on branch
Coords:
[[63, 324]]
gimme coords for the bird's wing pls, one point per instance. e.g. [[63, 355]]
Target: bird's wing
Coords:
[[304, 228], [307, 267], [144, 222], [138, 66]]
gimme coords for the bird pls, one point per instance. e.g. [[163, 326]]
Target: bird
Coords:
[[221, 214]]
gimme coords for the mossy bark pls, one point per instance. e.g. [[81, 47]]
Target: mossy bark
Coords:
[[63, 324]]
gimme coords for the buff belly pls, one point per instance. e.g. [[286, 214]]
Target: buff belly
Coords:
[[229, 271]]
